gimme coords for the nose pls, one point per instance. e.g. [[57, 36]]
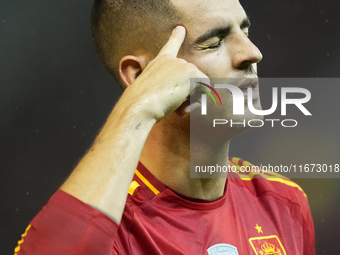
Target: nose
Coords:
[[245, 53]]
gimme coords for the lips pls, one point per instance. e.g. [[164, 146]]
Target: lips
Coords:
[[245, 83], [249, 86]]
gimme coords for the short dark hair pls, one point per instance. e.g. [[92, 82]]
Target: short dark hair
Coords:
[[122, 27]]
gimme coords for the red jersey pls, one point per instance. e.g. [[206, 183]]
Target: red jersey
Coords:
[[255, 215]]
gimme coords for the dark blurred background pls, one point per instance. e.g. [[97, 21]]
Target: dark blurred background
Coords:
[[55, 96]]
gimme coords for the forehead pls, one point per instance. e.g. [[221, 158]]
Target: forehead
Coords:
[[199, 15]]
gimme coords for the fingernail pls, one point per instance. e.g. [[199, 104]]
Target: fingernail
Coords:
[[177, 28]]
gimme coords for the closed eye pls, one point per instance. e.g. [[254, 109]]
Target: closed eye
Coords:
[[216, 45], [211, 44]]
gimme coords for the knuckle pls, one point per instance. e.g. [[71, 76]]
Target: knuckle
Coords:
[[167, 57], [189, 67], [182, 61]]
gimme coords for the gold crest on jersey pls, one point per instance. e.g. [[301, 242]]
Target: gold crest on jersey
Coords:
[[267, 245]]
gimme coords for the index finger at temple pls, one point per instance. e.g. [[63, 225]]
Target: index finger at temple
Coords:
[[175, 42]]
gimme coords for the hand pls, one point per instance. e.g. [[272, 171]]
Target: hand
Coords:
[[103, 176], [164, 84]]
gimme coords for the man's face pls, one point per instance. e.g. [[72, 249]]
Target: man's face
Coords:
[[217, 43]]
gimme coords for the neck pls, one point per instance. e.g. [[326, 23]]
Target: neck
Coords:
[[168, 157]]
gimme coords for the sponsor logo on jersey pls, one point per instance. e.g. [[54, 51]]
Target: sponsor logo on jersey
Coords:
[[267, 245], [222, 249]]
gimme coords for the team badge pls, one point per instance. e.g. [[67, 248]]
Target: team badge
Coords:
[[222, 249], [267, 245]]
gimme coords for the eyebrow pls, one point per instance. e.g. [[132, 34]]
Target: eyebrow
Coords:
[[221, 31]]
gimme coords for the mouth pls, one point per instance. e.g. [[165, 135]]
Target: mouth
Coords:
[[249, 87]]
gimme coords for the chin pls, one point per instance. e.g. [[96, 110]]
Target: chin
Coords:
[[206, 127]]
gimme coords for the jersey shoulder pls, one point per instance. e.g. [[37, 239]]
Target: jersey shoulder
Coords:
[[271, 188], [261, 182]]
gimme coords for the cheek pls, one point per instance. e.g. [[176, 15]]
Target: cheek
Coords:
[[217, 65], [213, 64]]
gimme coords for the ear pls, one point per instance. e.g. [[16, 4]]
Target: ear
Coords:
[[130, 67]]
